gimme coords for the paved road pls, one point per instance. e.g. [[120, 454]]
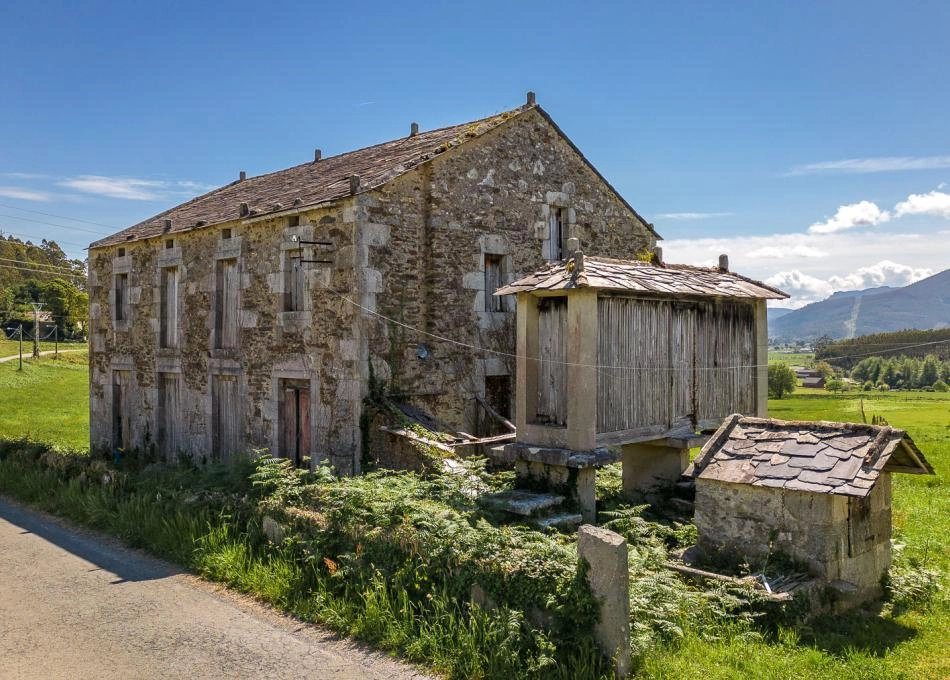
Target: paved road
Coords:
[[77, 605]]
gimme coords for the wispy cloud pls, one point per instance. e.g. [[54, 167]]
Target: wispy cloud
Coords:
[[131, 188], [781, 253], [692, 215], [884, 273], [867, 165], [24, 175], [24, 194], [935, 203], [863, 214]]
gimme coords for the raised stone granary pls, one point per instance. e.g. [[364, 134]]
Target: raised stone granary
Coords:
[[818, 492], [257, 315], [638, 355]]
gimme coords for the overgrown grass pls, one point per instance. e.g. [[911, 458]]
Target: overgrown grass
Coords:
[[897, 642], [47, 401], [385, 557]]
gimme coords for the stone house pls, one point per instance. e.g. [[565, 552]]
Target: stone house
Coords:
[[817, 492], [259, 314]]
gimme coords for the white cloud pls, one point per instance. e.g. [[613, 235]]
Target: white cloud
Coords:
[[780, 253], [863, 214], [934, 203], [879, 164], [116, 187], [884, 273], [133, 189], [692, 215], [24, 194], [802, 287]]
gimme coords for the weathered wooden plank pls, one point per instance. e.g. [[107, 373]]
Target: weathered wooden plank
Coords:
[[552, 371]]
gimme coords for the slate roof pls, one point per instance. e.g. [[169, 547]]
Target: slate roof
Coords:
[[642, 277], [328, 179], [311, 183], [821, 457]]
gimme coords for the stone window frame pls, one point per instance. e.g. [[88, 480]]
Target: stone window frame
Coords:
[[227, 249], [121, 269], [295, 318], [556, 202]]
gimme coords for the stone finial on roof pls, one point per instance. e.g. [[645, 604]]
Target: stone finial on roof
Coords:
[[244, 209], [354, 183], [532, 100], [167, 225], [242, 176], [658, 255], [413, 129], [724, 262], [316, 155]]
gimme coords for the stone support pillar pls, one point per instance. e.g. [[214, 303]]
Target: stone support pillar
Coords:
[[761, 360], [582, 374], [646, 465], [609, 581]]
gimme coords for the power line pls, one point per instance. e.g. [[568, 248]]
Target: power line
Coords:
[[41, 271], [31, 237], [40, 264], [53, 224], [599, 368], [62, 217]]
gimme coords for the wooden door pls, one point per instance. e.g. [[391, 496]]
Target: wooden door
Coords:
[[294, 420]]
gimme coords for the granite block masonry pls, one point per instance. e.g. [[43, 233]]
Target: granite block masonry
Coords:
[[256, 316]]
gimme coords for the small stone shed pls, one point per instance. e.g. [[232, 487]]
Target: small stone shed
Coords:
[[631, 354], [819, 492]]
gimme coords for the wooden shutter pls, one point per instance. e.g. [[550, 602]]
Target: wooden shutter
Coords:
[[493, 281], [227, 288], [552, 352], [225, 417], [168, 321]]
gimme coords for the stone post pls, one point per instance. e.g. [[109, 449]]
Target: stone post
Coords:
[[648, 465], [609, 580]]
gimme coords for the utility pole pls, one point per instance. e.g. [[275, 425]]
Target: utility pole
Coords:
[[56, 338], [21, 347], [37, 306]]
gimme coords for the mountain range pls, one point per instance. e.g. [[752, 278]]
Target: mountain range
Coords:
[[923, 305]]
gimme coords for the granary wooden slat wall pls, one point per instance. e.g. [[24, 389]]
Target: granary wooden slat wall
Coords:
[[633, 353], [673, 363], [552, 352], [725, 359]]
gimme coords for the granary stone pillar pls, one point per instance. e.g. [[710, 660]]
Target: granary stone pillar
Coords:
[[646, 465], [582, 373]]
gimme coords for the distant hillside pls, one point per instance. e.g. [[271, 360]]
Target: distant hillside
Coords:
[[922, 305], [778, 313]]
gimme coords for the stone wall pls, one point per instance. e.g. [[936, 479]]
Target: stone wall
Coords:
[[840, 538], [318, 345], [413, 250], [491, 196]]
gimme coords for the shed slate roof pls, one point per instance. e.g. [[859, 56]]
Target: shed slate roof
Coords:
[[318, 182], [821, 457], [642, 277]]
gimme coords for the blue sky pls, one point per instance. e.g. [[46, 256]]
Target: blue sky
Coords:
[[810, 141]]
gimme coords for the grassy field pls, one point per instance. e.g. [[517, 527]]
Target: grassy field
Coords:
[[859, 645], [47, 401], [792, 358], [8, 348]]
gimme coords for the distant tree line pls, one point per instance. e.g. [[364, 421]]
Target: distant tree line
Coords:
[[847, 354], [41, 273], [902, 372]]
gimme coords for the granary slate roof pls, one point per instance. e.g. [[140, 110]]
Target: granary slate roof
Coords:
[[325, 180], [821, 457], [641, 277]]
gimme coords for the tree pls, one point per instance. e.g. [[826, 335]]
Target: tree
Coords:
[[834, 385], [782, 380], [940, 386]]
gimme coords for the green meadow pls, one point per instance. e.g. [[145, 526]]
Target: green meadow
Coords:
[[48, 402]]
